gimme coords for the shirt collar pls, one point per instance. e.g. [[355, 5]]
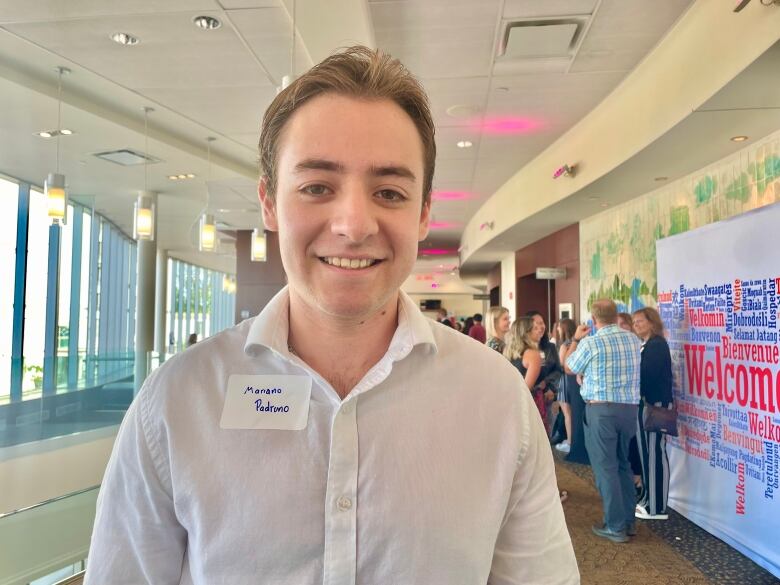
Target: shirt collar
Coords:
[[271, 327], [608, 329]]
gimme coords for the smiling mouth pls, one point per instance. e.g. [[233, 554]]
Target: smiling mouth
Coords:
[[350, 263]]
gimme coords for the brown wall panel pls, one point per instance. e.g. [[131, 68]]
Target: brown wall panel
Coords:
[[559, 250]]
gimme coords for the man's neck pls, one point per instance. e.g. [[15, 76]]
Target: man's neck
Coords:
[[341, 350]]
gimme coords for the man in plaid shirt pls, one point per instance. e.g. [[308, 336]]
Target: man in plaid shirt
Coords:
[[609, 363]]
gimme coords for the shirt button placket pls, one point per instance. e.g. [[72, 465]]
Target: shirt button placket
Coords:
[[341, 498]]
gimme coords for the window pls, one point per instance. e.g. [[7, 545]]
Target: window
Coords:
[[35, 295], [9, 200]]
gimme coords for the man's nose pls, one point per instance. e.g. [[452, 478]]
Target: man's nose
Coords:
[[354, 215]]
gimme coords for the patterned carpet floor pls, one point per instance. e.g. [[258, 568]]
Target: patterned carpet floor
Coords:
[[671, 552]]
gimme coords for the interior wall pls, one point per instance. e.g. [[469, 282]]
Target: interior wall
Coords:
[[257, 282], [36, 472], [458, 305], [508, 284], [558, 250], [494, 277], [618, 245]]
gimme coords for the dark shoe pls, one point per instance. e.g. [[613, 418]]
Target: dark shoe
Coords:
[[631, 530], [604, 532], [557, 438]]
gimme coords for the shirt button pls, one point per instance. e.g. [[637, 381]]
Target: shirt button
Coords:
[[344, 503], [347, 408]]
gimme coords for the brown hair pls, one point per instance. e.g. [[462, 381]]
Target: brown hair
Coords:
[[625, 317], [652, 316], [604, 311], [567, 328], [520, 338], [355, 72]]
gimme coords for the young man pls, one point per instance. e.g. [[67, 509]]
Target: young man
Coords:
[[477, 331], [609, 364], [339, 437]]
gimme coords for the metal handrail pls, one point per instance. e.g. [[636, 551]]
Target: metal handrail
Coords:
[[49, 501], [76, 579]]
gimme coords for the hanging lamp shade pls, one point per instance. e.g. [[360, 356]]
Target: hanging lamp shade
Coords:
[[259, 245], [56, 196], [144, 217], [208, 233]]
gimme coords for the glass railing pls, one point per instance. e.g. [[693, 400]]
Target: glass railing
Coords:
[[42, 539], [92, 391]]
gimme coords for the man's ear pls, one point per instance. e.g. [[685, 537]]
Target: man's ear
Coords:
[[425, 218], [268, 206]]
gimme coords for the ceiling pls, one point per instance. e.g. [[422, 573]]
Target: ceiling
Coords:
[[749, 105], [510, 102]]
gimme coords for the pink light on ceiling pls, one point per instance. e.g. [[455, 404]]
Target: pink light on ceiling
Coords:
[[501, 125], [451, 195], [443, 225], [439, 252]]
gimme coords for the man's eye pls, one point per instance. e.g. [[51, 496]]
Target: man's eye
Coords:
[[315, 189], [390, 195]]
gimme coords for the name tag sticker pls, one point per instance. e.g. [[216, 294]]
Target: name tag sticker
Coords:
[[266, 402]]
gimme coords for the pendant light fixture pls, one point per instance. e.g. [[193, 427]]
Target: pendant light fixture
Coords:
[[207, 233], [144, 213], [54, 187], [259, 245], [288, 79]]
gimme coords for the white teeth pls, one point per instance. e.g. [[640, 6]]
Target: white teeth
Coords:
[[351, 263]]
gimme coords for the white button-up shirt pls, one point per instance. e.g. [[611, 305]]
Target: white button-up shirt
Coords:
[[435, 469]]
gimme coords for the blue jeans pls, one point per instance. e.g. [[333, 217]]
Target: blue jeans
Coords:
[[609, 427]]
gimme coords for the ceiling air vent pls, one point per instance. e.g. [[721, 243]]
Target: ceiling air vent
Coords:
[[127, 157], [537, 42]]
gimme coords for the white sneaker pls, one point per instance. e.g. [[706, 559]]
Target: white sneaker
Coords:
[[641, 512], [563, 447]]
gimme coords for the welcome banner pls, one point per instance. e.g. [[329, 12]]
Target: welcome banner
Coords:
[[718, 294]]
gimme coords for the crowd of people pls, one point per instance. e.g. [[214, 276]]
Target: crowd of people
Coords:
[[591, 386]]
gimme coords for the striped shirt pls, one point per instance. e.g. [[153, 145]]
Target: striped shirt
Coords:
[[609, 362]]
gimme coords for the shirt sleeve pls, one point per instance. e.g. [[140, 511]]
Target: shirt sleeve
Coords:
[[579, 360], [136, 538], [533, 545]]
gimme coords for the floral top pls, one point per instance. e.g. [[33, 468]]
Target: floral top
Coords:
[[497, 344]]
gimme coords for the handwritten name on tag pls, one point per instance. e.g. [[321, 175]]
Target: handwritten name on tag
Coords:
[[266, 402]]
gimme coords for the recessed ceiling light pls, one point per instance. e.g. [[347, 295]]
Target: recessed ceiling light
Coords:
[[739, 138], [661, 179], [465, 144], [53, 133], [605, 205], [190, 176], [181, 176], [593, 198], [502, 88], [462, 110], [124, 39], [173, 177], [206, 22]]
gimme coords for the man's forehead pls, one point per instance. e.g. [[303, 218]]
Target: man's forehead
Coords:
[[376, 136]]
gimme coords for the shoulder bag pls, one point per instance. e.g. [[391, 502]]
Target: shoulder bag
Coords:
[[659, 419]]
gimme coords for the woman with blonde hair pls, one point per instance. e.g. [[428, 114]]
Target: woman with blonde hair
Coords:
[[497, 326], [523, 351]]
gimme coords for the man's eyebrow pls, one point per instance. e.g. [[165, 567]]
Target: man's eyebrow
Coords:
[[319, 164], [393, 171]]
